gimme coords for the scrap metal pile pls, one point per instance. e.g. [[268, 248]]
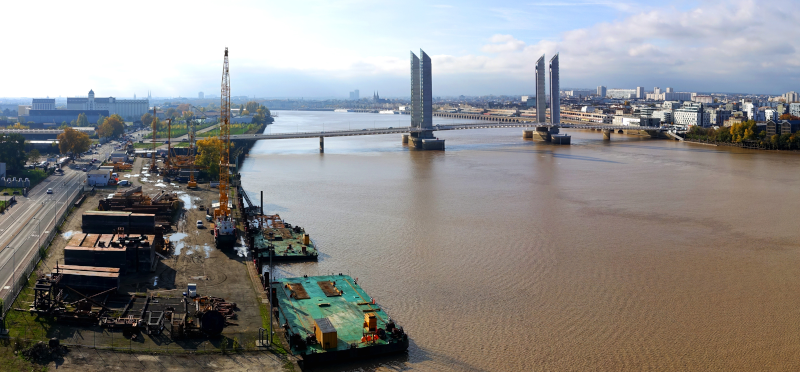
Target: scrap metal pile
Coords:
[[162, 204]]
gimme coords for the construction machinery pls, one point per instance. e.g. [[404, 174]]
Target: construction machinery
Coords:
[[224, 230]]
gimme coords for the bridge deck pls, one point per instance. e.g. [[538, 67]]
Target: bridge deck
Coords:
[[401, 130]]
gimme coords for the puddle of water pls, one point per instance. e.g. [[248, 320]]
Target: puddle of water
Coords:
[[188, 201], [177, 242], [207, 249], [144, 179], [160, 184], [68, 234], [155, 282], [241, 251]]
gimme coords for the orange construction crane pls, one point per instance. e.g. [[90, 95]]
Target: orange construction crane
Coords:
[[153, 167], [225, 137]]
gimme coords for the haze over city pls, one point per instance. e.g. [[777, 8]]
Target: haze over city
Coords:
[[325, 49]]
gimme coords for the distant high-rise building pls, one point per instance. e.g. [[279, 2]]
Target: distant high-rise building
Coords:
[[669, 90], [541, 100], [354, 95], [656, 90], [640, 93], [790, 97], [601, 91], [555, 103], [200, 95]]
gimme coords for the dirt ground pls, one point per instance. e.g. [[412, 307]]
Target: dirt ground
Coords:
[[194, 259], [87, 360]]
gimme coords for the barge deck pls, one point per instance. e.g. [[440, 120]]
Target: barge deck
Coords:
[[330, 318]]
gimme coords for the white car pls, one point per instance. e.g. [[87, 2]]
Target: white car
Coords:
[[49, 191], [200, 224]]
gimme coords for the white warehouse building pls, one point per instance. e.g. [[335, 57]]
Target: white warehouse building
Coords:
[[127, 108]]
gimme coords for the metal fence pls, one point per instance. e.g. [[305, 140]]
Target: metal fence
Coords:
[[21, 265]]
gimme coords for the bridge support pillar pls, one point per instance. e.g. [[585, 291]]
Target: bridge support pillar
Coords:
[[607, 134], [541, 134], [321, 144], [405, 139], [527, 134], [425, 141]]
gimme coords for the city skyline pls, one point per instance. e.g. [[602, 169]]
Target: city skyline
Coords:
[[478, 49]]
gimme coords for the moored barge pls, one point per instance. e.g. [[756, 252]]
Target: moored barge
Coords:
[[330, 318]]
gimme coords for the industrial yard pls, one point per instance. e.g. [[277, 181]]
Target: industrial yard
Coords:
[[149, 311]]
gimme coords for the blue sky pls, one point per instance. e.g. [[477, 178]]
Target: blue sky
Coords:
[[327, 48]]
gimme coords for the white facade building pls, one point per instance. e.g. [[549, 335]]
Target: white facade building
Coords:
[[621, 93], [771, 114], [98, 177], [794, 109], [127, 108], [690, 115]]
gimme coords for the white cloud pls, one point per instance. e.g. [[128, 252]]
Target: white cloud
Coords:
[[742, 45], [717, 45]]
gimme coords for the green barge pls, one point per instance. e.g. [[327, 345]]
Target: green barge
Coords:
[[287, 242], [330, 318]]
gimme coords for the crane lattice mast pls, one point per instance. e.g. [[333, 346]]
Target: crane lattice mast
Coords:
[[225, 139], [153, 167]]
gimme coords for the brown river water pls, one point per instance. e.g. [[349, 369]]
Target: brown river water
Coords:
[[503, 254]]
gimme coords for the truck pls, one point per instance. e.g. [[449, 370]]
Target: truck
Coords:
[[191, 290]]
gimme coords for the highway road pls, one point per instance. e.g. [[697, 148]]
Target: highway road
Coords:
[[31, 219]]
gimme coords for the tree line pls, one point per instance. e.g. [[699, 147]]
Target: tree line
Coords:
[[745, 132]]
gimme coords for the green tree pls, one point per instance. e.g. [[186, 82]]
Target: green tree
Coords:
[[171, 113], [64, 124], [251, 107], [101, 120], [147, 119], [33, 156], [82, 121], [113, 126], [12, 151], [208, 151], [73, 141]]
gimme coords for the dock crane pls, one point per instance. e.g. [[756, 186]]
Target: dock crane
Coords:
[[153, 167], [224, 230]]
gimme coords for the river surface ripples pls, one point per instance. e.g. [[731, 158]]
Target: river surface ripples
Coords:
[[504, 254]]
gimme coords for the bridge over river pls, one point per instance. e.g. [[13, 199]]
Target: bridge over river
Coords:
[[541, 131]]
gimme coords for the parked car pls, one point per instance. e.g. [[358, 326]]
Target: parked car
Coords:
[[124, 183], [200, 224]]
